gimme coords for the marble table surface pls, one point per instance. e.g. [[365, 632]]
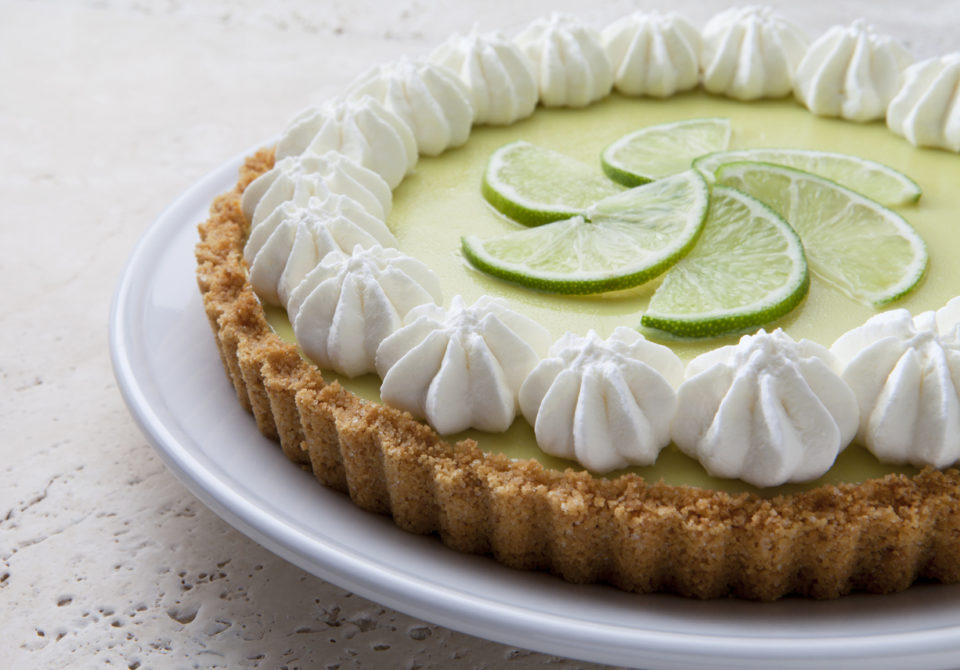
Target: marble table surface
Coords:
[[109, 109]]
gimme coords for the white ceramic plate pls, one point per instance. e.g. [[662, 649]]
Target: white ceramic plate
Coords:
[[170, 374]]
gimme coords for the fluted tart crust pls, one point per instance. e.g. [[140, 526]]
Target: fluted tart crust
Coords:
[[878, 536]]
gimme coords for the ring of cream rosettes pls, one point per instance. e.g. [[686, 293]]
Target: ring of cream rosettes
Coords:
[[768, 410]]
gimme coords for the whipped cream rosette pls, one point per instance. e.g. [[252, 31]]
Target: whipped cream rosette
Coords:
[[309, 174], [905, 373], [768, 410], [851, 72], [498, 76], [289, 243], [363, 129], [433, 101], [569, 62], [349, 303], [749, 53], [653, 54], [926, 109], [461, 367], [604, 403]]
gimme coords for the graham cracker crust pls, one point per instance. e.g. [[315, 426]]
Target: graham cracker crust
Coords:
[[879, 536]]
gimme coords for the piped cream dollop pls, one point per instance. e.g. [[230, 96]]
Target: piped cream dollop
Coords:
[[569, 62], [498, 76], [308, 175], [349, 303], [653, 54], [926, 109], [768, 410], [749, 53], [851, 72], [604, 403], [431, 98], [363, 129], [461, 367], [905, 373], [296, 236]]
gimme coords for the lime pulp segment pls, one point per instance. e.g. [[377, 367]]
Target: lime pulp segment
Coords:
[[533, 185], [868, 252], [748, 268], [619, 242], [663, 150], [875, 180]]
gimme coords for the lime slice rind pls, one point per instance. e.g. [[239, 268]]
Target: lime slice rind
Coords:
[[870, 178], [663, 150], [747, 269], [604, 253], [558, 282], [533, 185], [515, 211], [854, 244]]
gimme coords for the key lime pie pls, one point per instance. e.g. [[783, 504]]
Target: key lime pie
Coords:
[[616, 305]]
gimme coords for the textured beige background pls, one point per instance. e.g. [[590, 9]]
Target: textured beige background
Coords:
[[108, 110]]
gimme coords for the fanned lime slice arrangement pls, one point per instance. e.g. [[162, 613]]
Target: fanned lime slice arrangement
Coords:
[[663, 150], [533, 185], [747, 269], [865, 250], [617, 243], [874, 180], [733, 256]]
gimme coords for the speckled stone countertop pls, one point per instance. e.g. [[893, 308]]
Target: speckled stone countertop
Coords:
[[109, 109]]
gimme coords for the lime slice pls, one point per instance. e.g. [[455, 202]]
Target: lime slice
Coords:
[[660, 151], [870, 178], [865, 250], [620, 242], [533, 185], [747, 269]]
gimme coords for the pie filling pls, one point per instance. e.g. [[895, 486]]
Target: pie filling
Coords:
[[441, 201]]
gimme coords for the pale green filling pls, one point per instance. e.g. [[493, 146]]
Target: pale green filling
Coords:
[[441, 202]]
